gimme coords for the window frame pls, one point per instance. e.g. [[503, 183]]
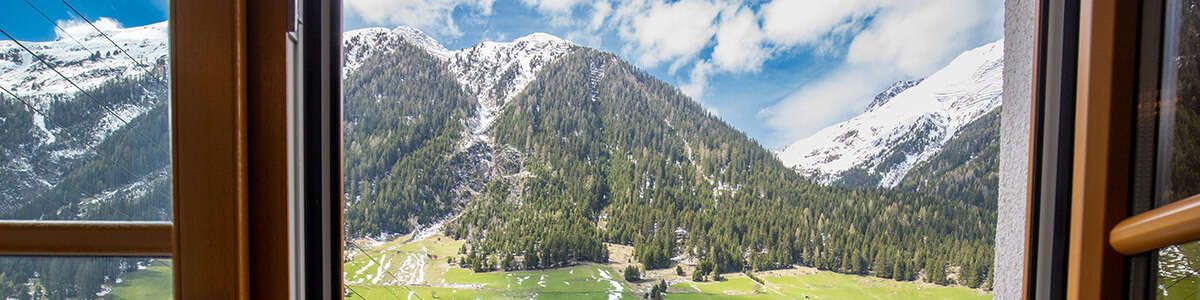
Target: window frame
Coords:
[[228, 154], [1108, 230]]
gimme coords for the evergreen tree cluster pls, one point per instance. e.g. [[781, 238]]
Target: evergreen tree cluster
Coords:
[[967, 167], [403, 117]]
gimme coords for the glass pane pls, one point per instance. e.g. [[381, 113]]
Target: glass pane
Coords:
[[84, 128], [704, 149], [85, 278], [1179, 115], [1179, 271]]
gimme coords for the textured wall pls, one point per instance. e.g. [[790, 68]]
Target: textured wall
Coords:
[[1019, 22]]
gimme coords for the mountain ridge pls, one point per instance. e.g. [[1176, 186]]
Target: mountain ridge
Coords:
[[493, 72]]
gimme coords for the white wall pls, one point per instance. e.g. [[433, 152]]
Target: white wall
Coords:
[[1019, 26]]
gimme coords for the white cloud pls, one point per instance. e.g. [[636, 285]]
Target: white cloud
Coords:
[[904, 40], [797, 22], [919, 37], [585, 38], [553, 6], [428, 15], [739, 42], [823, 102], [664, 32], [698, 80], [600, 12], [80, 29]]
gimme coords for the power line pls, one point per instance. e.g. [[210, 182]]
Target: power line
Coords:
[[64, 77], [102, 104], [385, 270], [105, 35], [352, 291], [65, 202], [31, 107], [48, 19], [85, 47]]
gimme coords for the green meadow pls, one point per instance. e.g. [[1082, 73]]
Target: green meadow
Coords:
[[818, 285], [423, 269], [152, 283], [420, 270]]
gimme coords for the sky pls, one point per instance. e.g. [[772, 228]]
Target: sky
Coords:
[[18, 18], [778, 70]]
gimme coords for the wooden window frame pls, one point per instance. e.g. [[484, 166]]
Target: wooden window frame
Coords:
[[229, 169], [1103, 235]]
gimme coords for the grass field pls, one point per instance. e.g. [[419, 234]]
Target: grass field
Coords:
[[419, 270], [818, 285], [1178, 268], [152, 283]]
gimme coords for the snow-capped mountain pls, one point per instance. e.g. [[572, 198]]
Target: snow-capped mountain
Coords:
[[902, 129], [887, 94], [360, 44], [495, 72], [85, 56], [492, 71]]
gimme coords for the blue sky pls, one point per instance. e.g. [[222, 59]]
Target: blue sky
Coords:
[[778, 70], [20, 20]]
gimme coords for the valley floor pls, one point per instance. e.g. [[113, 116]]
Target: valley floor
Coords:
[[420, 269]]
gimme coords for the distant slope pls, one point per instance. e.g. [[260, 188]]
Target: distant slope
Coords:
[[80, 162], [967, 167], [882, 144], [416, 114], [404, 115]]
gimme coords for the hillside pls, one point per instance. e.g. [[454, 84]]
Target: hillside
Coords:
[[588, 150]]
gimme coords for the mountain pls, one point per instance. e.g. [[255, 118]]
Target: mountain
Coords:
[[446, 100], [47, 147], [97, 152], [887, 94], [905, 125], [493, 72], [538, 152]]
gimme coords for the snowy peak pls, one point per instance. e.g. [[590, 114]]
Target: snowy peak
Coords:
[[495, 72], [895, 89], [360, 44], [85, 56], [900, 131]]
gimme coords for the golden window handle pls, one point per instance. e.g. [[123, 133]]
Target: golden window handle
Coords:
[[1171, 224]]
